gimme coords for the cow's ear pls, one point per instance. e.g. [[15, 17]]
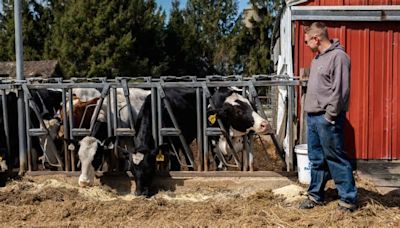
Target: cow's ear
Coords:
[[109, 142]]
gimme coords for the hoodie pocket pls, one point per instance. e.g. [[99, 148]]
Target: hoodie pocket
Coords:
[[312, 103]]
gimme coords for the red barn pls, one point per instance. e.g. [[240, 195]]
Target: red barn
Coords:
[[370, 32]]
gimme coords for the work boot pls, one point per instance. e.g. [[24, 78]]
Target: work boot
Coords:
[[346, 207], [309, 204]]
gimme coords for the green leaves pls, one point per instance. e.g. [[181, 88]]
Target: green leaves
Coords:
[[131, 37]]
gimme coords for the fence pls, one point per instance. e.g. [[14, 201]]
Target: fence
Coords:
[[259, 89]]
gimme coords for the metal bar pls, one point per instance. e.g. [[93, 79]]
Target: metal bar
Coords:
[[199, 135], [159, 116], [228, 139], [84, 85], [154, 116], [251, 154], [31, 163], [115, 109], [347, 7], [346, 15], [289, 159], [114, 98], [176, 125], [198, 84], [109, 116], [71, 126], [132, 116], [104, 93], [245, 155], [22, 133], [6, 126], [84, 114], [205, 137], [20, 76], [66, 131], [224, 132]]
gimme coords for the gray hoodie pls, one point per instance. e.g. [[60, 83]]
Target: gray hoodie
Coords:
[[328, 86]]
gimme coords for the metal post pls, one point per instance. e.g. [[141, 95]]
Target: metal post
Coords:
[[159, 116], [289, 159], [32, 160], [154, 115], [66, 131], [199, 134], [115, 115], [71, 126], [205, 137], [6, 127], [109, 116], [20, 77]]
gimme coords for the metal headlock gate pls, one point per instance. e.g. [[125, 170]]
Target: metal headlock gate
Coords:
[[108, 87]]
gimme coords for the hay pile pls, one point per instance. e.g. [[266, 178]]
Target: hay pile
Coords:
[[58, 201]]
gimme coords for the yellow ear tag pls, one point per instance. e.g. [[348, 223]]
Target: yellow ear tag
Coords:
[[160, 157], [1, 159], [212, 118]]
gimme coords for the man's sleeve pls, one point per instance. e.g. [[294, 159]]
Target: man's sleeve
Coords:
[[340, 86]]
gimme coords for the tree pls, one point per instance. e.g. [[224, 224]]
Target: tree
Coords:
[[195, 35], [35, 29], [109, 38], [252, 44], [213, 22]]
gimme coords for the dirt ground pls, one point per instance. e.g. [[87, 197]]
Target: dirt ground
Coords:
[[57, 201]]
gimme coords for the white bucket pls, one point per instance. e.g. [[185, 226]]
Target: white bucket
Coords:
[[303, 164]]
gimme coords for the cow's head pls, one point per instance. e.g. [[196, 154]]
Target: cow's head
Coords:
[[144, 165], [3, 161], [91, 153], [236, 113], [48, 102], [81, 113]]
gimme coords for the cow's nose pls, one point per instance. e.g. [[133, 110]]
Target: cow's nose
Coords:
[[84, 183]]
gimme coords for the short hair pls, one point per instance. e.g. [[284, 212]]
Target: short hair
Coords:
[[318, 29]]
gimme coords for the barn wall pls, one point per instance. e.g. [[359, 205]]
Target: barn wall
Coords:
[[372, 129], [351, 2]]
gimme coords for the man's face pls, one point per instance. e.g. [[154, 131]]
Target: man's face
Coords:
[[311, 41]]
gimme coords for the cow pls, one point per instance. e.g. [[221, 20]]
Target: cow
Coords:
[[235, 112], [91, 148], [91, 151], [12, 112], [47, 102], [136, 99]]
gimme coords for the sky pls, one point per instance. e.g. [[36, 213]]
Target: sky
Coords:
[[166, 4]]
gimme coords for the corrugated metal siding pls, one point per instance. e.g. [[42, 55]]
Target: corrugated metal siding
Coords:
[[351, 2], [372, 131], [396, 95]]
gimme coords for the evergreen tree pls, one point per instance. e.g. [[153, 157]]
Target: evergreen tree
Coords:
[[35, 29], [109, 38], [252, 45], [209, 23]]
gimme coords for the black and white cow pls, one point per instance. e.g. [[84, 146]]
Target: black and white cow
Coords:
[[235, 112], [92, 148], [47, 103], [12, 112], [92, 151]]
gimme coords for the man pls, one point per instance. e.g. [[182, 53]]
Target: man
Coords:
[[326, 103]]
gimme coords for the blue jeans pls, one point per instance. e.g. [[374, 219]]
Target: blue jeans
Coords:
[[328, 159]]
